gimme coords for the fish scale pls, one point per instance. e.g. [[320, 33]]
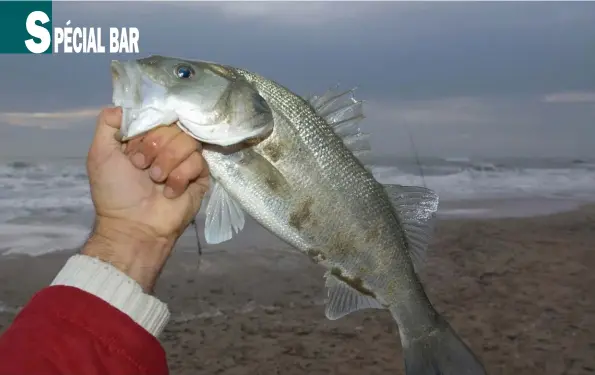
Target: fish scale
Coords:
[[336, 162]]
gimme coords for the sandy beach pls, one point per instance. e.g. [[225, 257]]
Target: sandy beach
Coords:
[[519, 291]]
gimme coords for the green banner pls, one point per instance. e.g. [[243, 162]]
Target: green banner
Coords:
[[26, 27]]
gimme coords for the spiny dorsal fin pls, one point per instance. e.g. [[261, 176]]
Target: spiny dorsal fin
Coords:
[[343, 113], [343, 299], [416, 207]]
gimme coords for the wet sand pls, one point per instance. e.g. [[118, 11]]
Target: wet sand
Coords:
[[518, 291]]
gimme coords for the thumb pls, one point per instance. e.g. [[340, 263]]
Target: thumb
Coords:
[[108, 123], [196, 191]]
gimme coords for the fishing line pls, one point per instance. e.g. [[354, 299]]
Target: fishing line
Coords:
[[195, 225], [416, 154]]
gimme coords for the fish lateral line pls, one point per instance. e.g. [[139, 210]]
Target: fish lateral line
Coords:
[[355, 282]]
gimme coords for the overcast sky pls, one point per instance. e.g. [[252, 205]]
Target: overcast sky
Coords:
[[468, 79]]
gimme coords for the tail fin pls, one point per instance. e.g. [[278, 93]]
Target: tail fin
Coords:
[[441, 352]]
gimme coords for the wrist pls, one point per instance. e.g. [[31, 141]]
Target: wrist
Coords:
[[116, 288], [132, 248]]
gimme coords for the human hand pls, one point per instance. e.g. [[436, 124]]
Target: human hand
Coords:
[[137, 220], [164, 149]]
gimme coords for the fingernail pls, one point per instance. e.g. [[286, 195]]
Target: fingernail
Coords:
[[155, 173], [168, 192], [138, 160]]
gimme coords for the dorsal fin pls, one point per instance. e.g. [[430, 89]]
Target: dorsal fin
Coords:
[[343, 113]]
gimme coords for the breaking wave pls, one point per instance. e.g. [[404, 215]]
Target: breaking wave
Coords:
[[489, 181], [46, 206]]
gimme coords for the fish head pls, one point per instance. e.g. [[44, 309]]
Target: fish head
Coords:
[[206, 100]]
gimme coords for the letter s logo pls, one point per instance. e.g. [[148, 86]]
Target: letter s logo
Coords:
[[38, 31]]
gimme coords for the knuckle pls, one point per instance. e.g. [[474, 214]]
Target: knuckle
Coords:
[[167, 162], [200, 160], [109, 116], [194, 165], [133, 145], [177, 151], [201, 163], [105, 112], [188, 170], [158, 139], [190, 140], [168, 156], [187, 144], [178, 181], [100, 119], [150, 146], [185, 171], [100, 115], [178, 177]]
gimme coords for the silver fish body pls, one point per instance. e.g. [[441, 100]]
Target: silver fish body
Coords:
[[305, 184]]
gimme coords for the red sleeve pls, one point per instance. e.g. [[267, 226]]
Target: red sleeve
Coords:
[[64, 331]]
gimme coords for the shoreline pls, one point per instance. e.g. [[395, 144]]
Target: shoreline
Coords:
[[20, 236], [508, 208]]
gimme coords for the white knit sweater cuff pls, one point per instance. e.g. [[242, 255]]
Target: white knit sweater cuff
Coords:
[[116, 288]]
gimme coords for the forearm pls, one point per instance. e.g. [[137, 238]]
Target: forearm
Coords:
[[120, 263], [98, 315]]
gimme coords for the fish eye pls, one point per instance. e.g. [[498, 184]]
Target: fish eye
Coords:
[[184, 71]]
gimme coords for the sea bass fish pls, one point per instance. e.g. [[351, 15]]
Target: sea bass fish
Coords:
[[207, 101], [307, 183]]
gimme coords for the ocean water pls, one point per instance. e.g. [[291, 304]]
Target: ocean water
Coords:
[[45, 205], [461, 178]]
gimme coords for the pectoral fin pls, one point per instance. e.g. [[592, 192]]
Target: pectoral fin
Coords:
[[343, 299], [224, 216]]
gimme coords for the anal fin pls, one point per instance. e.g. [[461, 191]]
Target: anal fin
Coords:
[[343, 299]]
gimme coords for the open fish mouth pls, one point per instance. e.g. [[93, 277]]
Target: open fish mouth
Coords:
[[126, 91], [123, 89]]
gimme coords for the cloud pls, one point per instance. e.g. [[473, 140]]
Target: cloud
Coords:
[[443, 111], [570, 97], [48, 120], [426, 66], [410, 19], [296, 14], [520, 125], [417, 17]]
